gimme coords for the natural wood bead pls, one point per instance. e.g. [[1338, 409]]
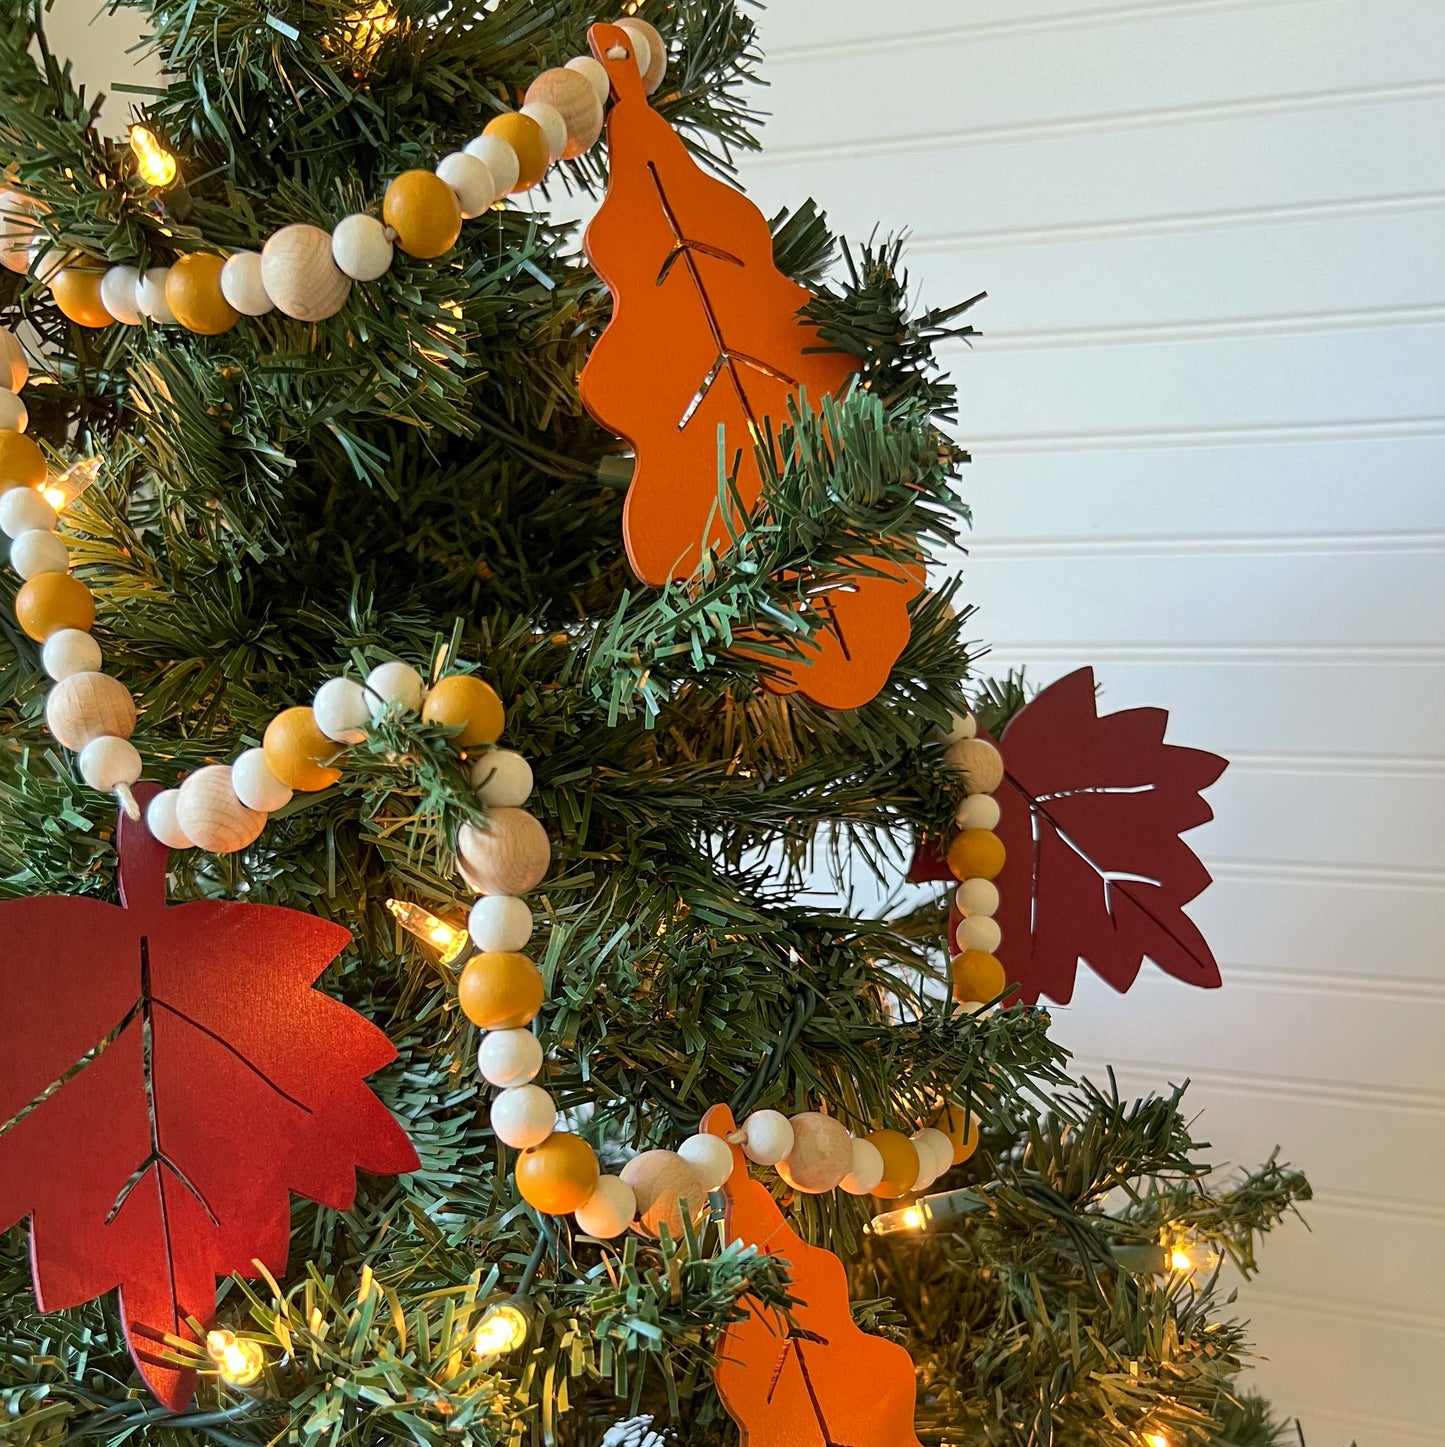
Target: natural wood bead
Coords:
[[211, 816], [661, 1180], [89, 706], [424, 212], [656, 67], [822, 1153], [525, 137], [14, 364], [300, 275], [194, 295], [979, 762], [572, 96], [510, 857], [299, 753], [976, 854], [22, 463], [18, 223], [977, 975], [900, 1164], [468, 704], [52, 601], [77, 293], [559, 1175]]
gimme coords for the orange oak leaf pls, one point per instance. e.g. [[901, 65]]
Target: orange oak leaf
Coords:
[[167, 1077], [817, 1379]]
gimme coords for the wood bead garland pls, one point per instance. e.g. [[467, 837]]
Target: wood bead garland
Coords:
[[117, 294], [821, 1156], [361, 247], [666, 1188], [573, 96], [609, 1210], [471, 181], [243, 285], [301, 276], [900, 1164], [211, 816], [510, 857], [76, 291], [87, 706], [468, 704]]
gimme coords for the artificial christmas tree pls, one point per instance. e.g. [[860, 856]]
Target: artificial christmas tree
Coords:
[[322, 539]]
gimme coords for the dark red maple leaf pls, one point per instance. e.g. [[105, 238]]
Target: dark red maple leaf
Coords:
[[1091, 813], [167, 1077]]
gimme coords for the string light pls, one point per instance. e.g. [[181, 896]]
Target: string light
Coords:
[[505, 1326], [924, 1213], [240, 1362], [156, 165], [61, 491], [446, 939], [1187, 1256], [1156, 1439], [370, 26]]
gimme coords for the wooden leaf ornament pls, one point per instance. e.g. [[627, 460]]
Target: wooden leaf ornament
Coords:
[[167, 1077], [705, 332], [1091, 810], [817, 1380]]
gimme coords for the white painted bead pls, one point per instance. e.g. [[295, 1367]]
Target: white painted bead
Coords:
[[935, 1156], [978, 811], [500, 922], [361, 247], [554, 127], [256, 784], [508, 1058], [964, 726], [769, 1137], [394, 683], [150, 296], [39, 551], [14, 364], [596, 74], [161, 821], [711, 1157], [14, 415], [299, 274], [608, 1211], [342, 710], [471, 180], [976, 896], [979, 932], [71, 650], [866, 1170], [117, 294], [242, 286], [502, 779], [108, 761], [23, 509], [499, 158], [523, 1117]]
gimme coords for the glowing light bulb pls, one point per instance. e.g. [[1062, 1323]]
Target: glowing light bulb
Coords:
[[503, 1329], [446, 939], [155, 164], [61, 491], [240, 1362], [1156, 1439], [1188, 1257], [370, 26], [913, 1218]]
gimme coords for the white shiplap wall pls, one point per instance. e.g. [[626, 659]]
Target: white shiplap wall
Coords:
[[1208, 421], [1209, 430]]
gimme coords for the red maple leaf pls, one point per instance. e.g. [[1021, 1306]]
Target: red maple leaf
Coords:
[[167, 1077], [813, 1378], [1091, 813]]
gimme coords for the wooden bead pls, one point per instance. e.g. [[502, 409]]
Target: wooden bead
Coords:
[[14, 364], [52, 601], [396, 684], [525, 137], [469, 704], [210, 814], [500, 922], [77, 293], [39, 551], [300, 275], [243, 286], [299, 753], [256, 786], [342, 710], [509, 1058], [499, 158], [961, 1128], [935, 1156], [595, 74], [666, 1188], [472, 181], [193, 293], [150, 296], [978, 932], [976, 896], [822, 1153], [500, 990], [963, 726], [18, 228], [361, 247], [978, 811], [23, 510], [14, 414], [501, 778], [105, 763], [22, 463], [558, 1176], [977, 975], [653, 64], [573, 97], [609, 1210], [767, 1137], [523, 1116], [71, 650], [900, 1164], [865, 1171], [89, 706], [511, 856], [554, 128], [117, 294], [424, 212], [979, 762], [711, 1159], [161, 820], [976, 854]]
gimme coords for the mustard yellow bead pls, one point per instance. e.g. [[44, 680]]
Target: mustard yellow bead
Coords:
[[52, 601], [424, 212], [900, 1164], [466, 701], [193, 293], [559, 1175], [77, 294], [976, 854], [977, 975], [961, 1128], [22, 463], [527, 140], [298, 751]]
